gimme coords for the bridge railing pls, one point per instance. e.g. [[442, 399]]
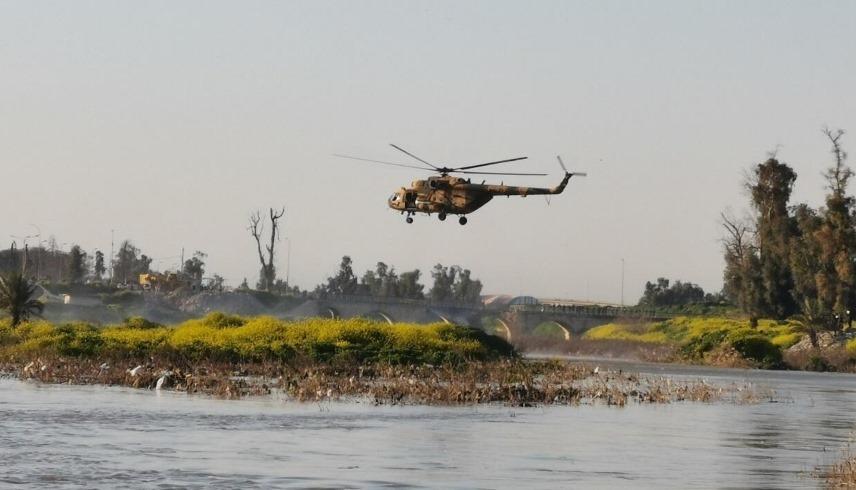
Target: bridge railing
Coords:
[[596, 311], [388, 300]]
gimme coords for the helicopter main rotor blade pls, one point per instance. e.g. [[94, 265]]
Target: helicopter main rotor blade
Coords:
[[381, 162], [491, 163], [414, 156], [492, 173]]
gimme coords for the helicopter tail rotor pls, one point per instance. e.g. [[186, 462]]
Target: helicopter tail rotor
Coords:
[[565, 169]]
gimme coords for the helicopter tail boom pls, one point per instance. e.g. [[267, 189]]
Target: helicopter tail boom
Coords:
[[504, 190]]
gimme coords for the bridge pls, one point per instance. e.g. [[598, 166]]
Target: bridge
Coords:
[[514, 320], [570, 319], [391, 310]]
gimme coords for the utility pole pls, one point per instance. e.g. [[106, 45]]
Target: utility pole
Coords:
[[39, 261], [288, 265], [622, 282], [111, 255], [61, 262], [181, 264]]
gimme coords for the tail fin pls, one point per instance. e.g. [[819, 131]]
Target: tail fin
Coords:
[[561, 187]]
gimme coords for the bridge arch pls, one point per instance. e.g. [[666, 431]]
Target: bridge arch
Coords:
[[550, 328], [377, 314], [331, 312], [565, 330], [440, 316], [506, 327]]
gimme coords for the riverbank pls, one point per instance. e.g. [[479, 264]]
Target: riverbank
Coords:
[[711, 341]]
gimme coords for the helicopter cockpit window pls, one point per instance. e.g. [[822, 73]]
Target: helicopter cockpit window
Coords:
[[393, 197]]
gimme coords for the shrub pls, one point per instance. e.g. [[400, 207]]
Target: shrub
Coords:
[[697, 336], [78, 339], [755, 347], [7, 333], [818, 363], [139, 322], [222, 320], [134, 341], [785, 340], [703, 343], [634, 332]]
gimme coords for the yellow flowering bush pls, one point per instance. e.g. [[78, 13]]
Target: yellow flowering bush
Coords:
[[224, 337]]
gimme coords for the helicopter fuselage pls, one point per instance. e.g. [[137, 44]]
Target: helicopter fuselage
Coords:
[[446, 194]]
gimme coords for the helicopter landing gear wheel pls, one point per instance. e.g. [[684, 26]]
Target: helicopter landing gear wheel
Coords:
[[442, 216], [462, 220], [409, 220]]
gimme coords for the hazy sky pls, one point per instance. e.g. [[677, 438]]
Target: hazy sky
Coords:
[[171, 121]]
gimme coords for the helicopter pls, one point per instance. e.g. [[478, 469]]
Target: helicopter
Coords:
[[446, 194]]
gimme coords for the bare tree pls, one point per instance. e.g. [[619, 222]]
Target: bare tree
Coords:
[[267, 275], [737, 242], [741, 277], [840, 173]]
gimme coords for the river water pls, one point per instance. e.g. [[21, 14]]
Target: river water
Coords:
[[105, 437]]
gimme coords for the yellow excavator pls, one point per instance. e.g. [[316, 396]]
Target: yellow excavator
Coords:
[[164, 282]]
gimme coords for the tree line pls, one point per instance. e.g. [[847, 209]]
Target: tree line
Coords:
[[52, 265], [793, 260], [664, 293], [451, 284]]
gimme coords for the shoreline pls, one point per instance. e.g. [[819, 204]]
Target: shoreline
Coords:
[[829, 359], [518, 383]]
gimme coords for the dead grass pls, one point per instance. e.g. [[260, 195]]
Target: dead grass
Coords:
[[511, 382], [613, 349], [832, 358], [841, 474]]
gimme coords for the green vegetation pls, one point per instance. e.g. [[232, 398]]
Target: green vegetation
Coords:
[[219, 337], [549, 330], [18, 298], [698, 336], [790, 260], [851, 346], [637, 333], [451, 284]]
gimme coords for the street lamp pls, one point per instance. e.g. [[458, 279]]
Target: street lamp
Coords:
[[39, 260], [288, 265], [24, 240]]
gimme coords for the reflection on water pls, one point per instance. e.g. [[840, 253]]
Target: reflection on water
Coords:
[[73, 437]]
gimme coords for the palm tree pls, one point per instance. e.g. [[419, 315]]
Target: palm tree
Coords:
[[17, 298]]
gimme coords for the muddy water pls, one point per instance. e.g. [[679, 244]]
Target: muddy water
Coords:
[[99, 437]]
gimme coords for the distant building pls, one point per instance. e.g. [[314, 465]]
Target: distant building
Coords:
[[503, 301]]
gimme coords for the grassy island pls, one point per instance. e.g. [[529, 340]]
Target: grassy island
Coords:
[[322, 359], [226, 338]]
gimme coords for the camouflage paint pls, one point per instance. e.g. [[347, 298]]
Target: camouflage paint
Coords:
[[454, 195]]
